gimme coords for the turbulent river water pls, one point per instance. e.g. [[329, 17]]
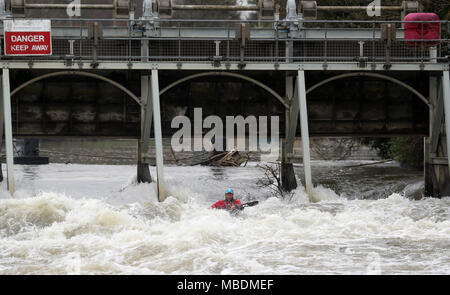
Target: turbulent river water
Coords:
[[94, 219]]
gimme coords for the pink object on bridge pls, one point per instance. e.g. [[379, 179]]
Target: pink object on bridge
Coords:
[[422, 29]]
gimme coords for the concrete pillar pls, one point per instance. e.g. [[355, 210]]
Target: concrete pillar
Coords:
[[301, 88], [158, 136], [143, 170], [431, 143], [288, 181], [446, 93], [8, 130], [1, 127], [428, 167], [436, 160]]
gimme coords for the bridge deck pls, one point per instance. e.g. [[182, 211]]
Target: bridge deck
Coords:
[[205, 45]]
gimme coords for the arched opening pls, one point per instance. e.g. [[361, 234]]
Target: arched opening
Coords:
[[77, 103], [227, 74], [77, 73], [364, 74]]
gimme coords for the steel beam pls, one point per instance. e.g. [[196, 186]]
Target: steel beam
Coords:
[[233, 66], [61, 32], [64, 6], [216, 7], [158, 136], [301, 92], [8, 130], [446, 93], [362, 8]]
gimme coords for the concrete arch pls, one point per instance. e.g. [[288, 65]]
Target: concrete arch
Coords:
[[78, 73], [368, 74], [227, 74]]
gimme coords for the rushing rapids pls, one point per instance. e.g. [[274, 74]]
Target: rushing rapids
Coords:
[[93, 219]]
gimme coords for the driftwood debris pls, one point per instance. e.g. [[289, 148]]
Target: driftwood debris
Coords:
[[232, 158]]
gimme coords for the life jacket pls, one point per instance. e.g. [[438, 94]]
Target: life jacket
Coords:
[[229, 204], [225, 204]]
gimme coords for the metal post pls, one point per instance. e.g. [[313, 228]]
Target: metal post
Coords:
[[158, 136], [301, 88], [8, 130], [446, 93]]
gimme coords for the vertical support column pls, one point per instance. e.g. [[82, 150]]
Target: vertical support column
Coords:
[[293, 122], [435, 127], [427, 166], [158, 136], [301, 88], [446, 93], [437, 180], [1, 127], [8, 130], [143, 170], [148, 112], [288, 181]]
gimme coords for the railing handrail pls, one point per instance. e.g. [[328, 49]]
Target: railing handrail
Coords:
[[159, 20], [275, 37]]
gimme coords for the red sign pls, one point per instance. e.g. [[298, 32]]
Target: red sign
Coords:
[[28, 37]]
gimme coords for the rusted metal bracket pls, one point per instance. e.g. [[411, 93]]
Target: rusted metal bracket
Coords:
[[388, 35], [243, 35], [95, 33]]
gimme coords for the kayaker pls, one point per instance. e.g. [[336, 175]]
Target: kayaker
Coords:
[[229, 203]]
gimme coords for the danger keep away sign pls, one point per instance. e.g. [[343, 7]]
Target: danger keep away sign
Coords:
[[27, 37]]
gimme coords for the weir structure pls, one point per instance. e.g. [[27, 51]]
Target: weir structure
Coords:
[[145, 42]]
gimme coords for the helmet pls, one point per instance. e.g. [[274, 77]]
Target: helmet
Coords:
[[229, 191]]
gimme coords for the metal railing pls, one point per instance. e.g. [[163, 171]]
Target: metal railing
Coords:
[[205, 41]]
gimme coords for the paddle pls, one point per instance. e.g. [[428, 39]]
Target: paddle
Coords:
[[250, 204]]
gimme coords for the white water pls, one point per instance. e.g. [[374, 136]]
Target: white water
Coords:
[[92, 219]]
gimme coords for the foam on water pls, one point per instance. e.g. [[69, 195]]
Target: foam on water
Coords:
[[122, 229]]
